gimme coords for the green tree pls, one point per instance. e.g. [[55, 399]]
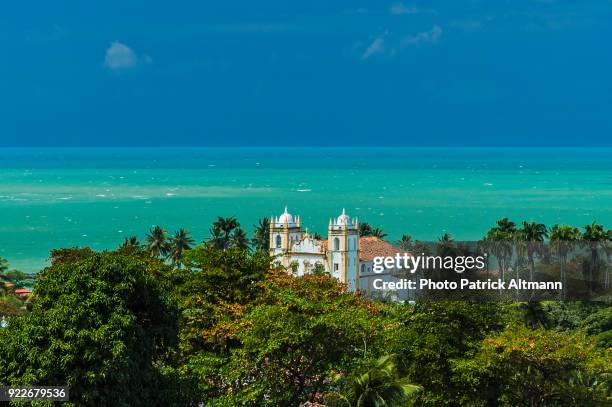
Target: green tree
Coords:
[[316, 236], [240, 239], [10, 306], [4, 266], [608, 250], [563, 239], [130, 243], [533, 234], [365, 229], [219, 287], [594, 237], [228, 276], [381, 386], [446, 238], [533, 314], [221, 232], [499, 244], [157, 242], [319, 269], [431, 335], [216, 280], [300, 331], [102, 325], [226, 233], [598, 322], [526, 367], [499, 239], [63, 256], [405, 243], [506, 226], [261, 235], [179, 244], [379, 233]]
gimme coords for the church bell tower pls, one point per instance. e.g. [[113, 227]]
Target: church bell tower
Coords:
[[285, 230], [343, 249]]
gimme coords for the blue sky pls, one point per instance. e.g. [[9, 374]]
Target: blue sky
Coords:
[[414, 73]]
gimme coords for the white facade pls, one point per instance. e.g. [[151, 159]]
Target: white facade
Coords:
[[301, 254]]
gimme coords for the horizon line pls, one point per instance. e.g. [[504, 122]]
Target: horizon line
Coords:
[[200, 146]]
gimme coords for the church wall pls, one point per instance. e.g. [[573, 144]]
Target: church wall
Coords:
[[299, 253], [311, 260]]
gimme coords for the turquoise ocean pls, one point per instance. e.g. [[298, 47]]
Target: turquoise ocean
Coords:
[[52, 198]]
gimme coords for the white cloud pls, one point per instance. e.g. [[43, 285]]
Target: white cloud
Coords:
[[430, 36], [400, 8], [390, 45], [120, 57], [376, 47]]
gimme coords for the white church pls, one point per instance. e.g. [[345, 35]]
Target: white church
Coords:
[[344, 255]]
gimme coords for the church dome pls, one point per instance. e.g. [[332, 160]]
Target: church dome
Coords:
[[286, 217], [343, 219]]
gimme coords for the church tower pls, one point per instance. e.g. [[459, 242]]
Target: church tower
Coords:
[[343, 250], [285, 230]]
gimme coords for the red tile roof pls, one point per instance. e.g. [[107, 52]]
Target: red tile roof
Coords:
[[370, 247]]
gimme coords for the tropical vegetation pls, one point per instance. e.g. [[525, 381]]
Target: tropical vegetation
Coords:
[[173, 322]]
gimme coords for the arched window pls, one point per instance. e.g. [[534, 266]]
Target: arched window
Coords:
[[278, 241], [336, 243]]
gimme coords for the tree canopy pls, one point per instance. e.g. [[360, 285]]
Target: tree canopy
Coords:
[[101, 324]]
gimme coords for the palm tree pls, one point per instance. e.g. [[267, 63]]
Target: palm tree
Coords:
[[379, 233], [157, 242], [380, 386], [316, 236], [446, 238], [608, 250], [130, 243], [221, 232], [239, 239], [179, 244], [497, 241], [507, 231], [520, 251], [562, 239], [594, 237], [405, 243], [505, 225], [534, 235], [261, 235], [4, 266], [445, 243], [365, 229], [217, 239]]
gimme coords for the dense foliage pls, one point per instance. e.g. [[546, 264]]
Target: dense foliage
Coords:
[[166, 323], [101, 324], [535, 367]]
